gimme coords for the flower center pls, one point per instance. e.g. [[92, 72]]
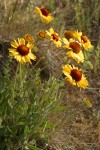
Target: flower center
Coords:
[[44, 12], [84, 38], [75, 47], [55, 37], [23, 50], [76, 74]]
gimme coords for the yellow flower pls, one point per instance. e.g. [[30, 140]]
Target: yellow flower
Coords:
[[75, 76], [74, 50], [86, 42], [29, 38], [42, 35], [21, 51], [83, 40], [54, 37], [44, 14]]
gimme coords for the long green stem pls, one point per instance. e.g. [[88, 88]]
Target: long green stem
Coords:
[[21, 80], [14, 84]]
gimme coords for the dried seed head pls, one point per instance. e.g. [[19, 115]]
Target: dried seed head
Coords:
[[68, 34], [42, 35]]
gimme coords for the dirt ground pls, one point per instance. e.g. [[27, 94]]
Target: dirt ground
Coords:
[[83, 130]]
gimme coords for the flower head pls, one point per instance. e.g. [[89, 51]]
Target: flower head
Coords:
[[74, 50], [86, 42], [21, 51], [69, 34], [75, 76], [42, 35], [54, 37], [83, 40], [44, 14], [29, 38]]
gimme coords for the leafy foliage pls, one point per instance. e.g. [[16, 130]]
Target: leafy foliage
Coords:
[[25, 105]]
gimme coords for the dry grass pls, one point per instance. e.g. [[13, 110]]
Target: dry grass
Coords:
[[81, 129]]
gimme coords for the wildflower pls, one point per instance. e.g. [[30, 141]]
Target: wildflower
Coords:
[[44, 14], [74, 50], [54, 37], [83, 40], [75, 76], [42, 35], [21, 51], [29, 38], [86, 42]]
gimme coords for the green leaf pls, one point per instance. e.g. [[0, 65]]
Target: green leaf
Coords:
[[88, 65], [48, 125], [31, 147], [21, 123], [60, 108], [26, 131]]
